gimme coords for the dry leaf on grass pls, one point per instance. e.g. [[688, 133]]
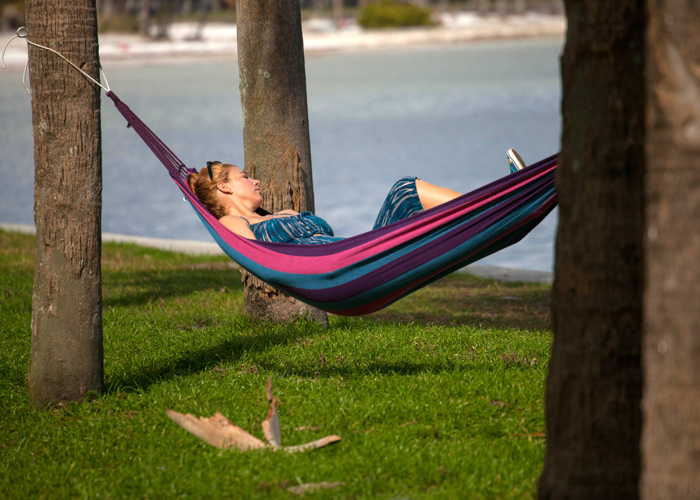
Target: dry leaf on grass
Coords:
[[302, 489], [217, 431], [222, 433]]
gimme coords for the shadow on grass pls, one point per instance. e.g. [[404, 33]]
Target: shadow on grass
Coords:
[[225, 353], [461, 300], [232, 350], [377, 368], [130, 288], [202, 360], [454, 301]]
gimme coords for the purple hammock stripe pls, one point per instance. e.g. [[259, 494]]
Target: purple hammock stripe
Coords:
[[421, 256], [369, 271], [342, 253], [537, 170], [388, 299], [321, 259]]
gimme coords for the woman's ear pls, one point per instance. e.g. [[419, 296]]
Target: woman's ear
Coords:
[[224, 188]]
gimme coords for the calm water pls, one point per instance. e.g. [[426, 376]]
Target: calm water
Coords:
[[445, 114]]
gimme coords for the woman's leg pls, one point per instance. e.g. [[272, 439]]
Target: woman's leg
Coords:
[[409, 196], [431, 195], [401, 203]]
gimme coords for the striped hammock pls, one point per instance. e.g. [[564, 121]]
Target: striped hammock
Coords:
[[366, 273]]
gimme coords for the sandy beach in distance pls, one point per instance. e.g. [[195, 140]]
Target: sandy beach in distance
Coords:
[[320, 37]]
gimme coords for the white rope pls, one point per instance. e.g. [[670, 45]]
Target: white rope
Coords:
[[22, 33], [18, 35]]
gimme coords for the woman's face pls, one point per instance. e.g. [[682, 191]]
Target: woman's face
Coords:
[[244, 188]]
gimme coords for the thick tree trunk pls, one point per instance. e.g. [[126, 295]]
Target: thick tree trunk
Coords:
[[275, 127], [594, 385], [66, 359], [671, 438]]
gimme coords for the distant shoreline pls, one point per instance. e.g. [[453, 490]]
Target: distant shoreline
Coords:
[[219, 39]]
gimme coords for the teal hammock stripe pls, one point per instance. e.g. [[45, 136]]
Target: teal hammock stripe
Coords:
[[365, 273]]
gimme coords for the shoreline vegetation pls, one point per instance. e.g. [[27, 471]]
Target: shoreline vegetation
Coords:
[[188, 41], [439, 396]]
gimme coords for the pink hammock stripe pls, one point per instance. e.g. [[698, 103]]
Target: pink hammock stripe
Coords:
[[393, 296], [364, 273], [272, 259]]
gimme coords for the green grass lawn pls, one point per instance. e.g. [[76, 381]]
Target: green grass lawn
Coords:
[[438, 396]]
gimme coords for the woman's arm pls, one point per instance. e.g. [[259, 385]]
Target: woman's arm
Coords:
[[238, 225]]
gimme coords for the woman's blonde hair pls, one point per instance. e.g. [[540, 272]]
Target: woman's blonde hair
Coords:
[[205, 188]]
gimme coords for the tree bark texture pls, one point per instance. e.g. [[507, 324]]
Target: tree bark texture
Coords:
[[594, 386], [671, 436], [66, 357], [275, 127]]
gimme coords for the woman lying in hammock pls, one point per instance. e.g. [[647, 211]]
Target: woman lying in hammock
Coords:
[[233, 198]]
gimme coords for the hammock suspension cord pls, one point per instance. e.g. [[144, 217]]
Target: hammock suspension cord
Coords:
[[22, 33]]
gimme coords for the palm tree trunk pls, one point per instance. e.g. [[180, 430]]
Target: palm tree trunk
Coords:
[[275, 128], [671, 437], [66, 358], [594, 385]]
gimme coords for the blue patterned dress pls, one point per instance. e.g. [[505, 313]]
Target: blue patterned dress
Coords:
[[307, 228]]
